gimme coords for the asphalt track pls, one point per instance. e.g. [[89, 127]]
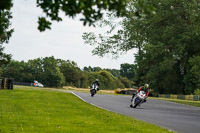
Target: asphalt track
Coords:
[[176, 117]]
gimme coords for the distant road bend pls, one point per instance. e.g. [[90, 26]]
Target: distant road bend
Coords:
[[176, 117]]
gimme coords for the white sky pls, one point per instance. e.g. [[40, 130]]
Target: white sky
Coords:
[[63, 41]]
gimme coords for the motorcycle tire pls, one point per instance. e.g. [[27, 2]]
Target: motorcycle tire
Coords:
[[136, 104], [93, 93]]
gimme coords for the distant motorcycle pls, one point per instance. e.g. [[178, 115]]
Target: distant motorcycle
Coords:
[[93, 89], [138, 99]]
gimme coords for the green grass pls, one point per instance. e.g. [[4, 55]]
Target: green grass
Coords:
[[43, 111], [186, 102]]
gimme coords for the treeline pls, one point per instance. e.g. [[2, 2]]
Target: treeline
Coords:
[[57, 73], [167, 44]]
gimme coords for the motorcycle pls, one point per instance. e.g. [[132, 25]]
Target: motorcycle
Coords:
[[93, 89], [138, 99]]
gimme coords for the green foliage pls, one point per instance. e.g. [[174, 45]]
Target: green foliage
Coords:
[[197, 92], [106, 79], [194, 72], [127, 70], [73, 75], [5, 31], [91, 69], [51, 74], [125, 82], [5, 16], [45, 70], [5, 4], [114, 72], [195, 63], [43, 24], [56, 73], [90, 10], [4, 58], [171, 41], [166, 42], [15, 70]]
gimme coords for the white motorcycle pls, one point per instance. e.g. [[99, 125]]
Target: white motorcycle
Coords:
[[138, 99], [93, 89]]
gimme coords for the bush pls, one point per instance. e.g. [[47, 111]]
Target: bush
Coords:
[[197, 92]]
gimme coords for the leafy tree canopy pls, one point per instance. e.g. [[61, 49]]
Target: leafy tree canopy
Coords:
[[5, 31], [167, 43]]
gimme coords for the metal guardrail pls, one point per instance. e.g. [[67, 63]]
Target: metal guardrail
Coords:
[[23, 83]]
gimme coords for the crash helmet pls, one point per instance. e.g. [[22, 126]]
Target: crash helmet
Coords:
[[146, 86], [97, 80]]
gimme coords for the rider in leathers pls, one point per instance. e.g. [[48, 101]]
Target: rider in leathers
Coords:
[[144, 88]]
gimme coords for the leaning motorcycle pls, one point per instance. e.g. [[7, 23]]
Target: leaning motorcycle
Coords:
[[93, 89], [138, 99]]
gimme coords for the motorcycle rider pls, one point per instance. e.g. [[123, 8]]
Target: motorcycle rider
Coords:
[[144, 88], [96, 83]]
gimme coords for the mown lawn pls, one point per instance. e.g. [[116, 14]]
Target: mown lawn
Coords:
[[43, 111]]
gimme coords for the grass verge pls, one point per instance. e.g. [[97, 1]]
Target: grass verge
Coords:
[[34, 110], [186, 102]]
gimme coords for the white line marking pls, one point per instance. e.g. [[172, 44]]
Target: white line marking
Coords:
[[78, 96], [88, 102]]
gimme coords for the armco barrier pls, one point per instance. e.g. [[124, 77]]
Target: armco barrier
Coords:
[[196, 98], [173, 96], [167, 96], [182, 97]]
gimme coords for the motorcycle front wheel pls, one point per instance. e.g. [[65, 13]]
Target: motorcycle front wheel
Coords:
[[93, 92], [137, 104]]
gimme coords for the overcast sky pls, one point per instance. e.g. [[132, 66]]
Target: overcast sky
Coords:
[[63, 41]]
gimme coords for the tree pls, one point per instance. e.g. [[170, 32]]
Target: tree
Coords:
[[51, 73], [13, 69], [20, 71], [114, 72], [127, 70], [106, 79], [91, 10], [125, 82], [5, 31], [195, 71], [73, 74], [45, 70], [5, 16], [4, 58], [91, 69], [165, 41]]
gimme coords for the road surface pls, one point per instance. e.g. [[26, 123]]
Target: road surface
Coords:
[[173, 116]]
